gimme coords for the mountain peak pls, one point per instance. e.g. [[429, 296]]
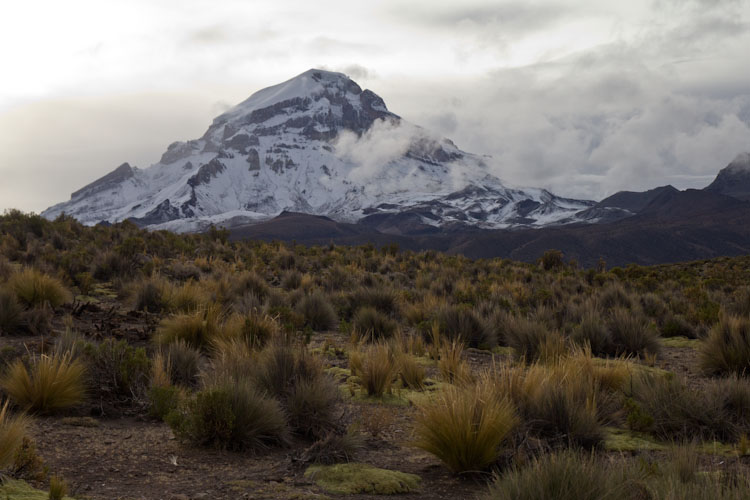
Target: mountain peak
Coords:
[[310, 84], [315, 144], [734, 179]]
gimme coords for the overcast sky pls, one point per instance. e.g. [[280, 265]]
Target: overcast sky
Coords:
[[584, 98]]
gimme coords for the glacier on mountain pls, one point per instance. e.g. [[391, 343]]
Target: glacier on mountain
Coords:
[[315, 144]]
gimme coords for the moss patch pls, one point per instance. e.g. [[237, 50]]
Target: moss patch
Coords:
[[680, 342], [627, 440], [339, 374], [21, 490], [350, 479]]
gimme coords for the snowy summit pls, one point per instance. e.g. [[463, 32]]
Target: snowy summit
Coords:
[[315, 144]]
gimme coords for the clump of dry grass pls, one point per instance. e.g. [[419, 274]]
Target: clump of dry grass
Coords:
[[726, 350], [464, 426], [12, 432], [34, 288], [49, 383], [375, 365], [411, 372], [372, 324], [255, 329], [197, 329], [451, 364]]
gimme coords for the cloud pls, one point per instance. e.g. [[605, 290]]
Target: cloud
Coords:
[[382, 143]]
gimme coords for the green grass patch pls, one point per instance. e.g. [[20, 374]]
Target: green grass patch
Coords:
[[351, 479], [617, 439], [399, 396], [20, 490], [680, 342]]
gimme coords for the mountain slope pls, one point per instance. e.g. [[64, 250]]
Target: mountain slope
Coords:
[[734, 179], [316, 144], [680, 226]]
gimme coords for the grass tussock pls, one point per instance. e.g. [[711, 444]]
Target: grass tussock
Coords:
[[464, 426], [410, 371], [49, 383], [197, 329], [12, 432], [675, 411], [34, 288], [565, 475], [255, 329], [375, 365], [371, 324], [726, 350]]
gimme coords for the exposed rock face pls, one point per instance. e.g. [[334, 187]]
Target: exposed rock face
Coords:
[[734, 179], [316, 144]]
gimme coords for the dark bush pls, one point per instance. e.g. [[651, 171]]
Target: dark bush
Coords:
[[370, 323], [317, 312]]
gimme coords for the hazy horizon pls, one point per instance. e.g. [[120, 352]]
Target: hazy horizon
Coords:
[[583, 98]]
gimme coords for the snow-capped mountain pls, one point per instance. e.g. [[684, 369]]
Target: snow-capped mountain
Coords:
[[315, 144]]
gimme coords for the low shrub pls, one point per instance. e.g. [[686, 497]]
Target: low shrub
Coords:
[[117, 369], [464, 427], [231, 416], [372, 324], [12, 432], [317, 311], [632, 333], [34, 288], [47, 384], [726, 350], [163, 400]]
